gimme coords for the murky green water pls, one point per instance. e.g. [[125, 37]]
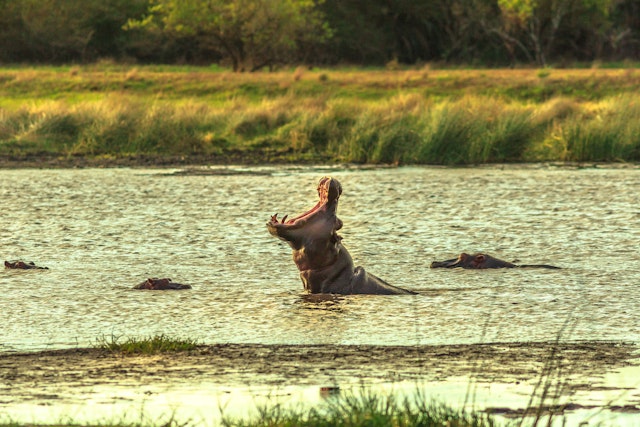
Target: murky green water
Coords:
[[101, 231]]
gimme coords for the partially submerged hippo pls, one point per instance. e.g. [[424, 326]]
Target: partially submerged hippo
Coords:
[[22, 265], [482, 261], [325, 265], [155, 284]]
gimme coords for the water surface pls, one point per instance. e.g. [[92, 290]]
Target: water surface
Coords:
[[101, 231]]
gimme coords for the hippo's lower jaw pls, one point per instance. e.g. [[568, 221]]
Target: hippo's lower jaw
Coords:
[[22, 265], [482, 261], [155, 284], [325, 265]]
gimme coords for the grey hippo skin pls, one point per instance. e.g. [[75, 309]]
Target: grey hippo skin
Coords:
[[155, 284], [22, 265], [481, 261], [325, 265]]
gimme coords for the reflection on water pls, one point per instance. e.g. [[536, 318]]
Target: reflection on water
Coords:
[[101, 231]]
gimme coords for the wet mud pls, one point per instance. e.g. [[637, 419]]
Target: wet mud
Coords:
[[52, 374]]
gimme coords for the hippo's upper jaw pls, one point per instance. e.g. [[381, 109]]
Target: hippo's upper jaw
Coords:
[[475, 261], [317, 224]]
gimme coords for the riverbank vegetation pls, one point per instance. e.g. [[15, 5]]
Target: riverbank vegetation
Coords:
[[411, 116], [148, 345]]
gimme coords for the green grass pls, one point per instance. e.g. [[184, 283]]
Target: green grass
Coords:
[[449, 117], [356, 409], [365, 409], [150, 345]]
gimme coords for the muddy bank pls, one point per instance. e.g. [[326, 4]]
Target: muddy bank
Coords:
[[94, 384], [311, 364], [241, 158], [55, 161]]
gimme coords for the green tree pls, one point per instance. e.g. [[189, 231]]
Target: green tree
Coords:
[[65, 30], [56, 29], [251, 34], [534, 26]]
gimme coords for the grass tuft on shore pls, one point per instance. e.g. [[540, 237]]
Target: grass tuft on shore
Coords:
[[364, 408], [149, 345]]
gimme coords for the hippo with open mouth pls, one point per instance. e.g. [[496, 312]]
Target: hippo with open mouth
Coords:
[[482, 261], [22, 265], [155, 284], [325, 265]]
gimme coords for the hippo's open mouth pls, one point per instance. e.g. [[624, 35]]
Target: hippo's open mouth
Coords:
[[450, 263], [329, 191]]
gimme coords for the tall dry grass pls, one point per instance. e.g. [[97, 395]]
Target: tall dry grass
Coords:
[[408, 128], [608, 131]]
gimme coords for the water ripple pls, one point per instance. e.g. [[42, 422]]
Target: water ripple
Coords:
[[101, 231]]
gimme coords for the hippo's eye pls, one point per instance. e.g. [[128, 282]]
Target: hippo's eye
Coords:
[[480, 258]]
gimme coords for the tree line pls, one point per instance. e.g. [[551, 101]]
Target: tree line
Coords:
[[249, 35]]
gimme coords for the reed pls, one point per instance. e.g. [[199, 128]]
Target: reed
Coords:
[[385, 132], [609, 131], [503, 132], [324, 129], [448, 135]]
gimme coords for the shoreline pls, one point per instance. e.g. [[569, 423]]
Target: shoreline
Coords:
[[302, 363], [51, 161], [581, 374]]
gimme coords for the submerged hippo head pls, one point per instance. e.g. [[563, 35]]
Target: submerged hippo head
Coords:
[[22, 265], [482, 261], [314, 230], [476, 261], [155, 284]]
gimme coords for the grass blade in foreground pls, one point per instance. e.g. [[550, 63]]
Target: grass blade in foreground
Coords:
[[365, 409]]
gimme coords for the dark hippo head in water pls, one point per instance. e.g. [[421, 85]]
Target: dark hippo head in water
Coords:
[[481, 261], [22, 265], [165, 284], [324, 263]]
